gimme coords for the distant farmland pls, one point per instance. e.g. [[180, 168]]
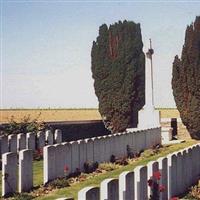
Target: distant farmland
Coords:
[[66, 114]]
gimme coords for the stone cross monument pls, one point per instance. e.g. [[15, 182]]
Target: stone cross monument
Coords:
[[148, 117]]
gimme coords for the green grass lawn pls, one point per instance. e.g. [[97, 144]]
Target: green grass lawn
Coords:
[[72, 191], [38, 173]]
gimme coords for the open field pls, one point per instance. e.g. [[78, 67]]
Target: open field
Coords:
[[169, 113], [50, 114], [66, 114]]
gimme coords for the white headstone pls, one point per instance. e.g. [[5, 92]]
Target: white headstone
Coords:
[[68, 157], [107, 148], [12, 141], [180, 178], [30, 141], [162, 162], [189, 170], [82, 153], [60, 160], [9, 173], [173, 177], [143, 140], [148, 139], [4, 144], [49, 137], [122, 144], [169, 172], [90, 150], [97, 149], [140, 182], [117, 145], [151, 137], [138, 141], [89, 193], [129, 140], [21, 141], [185, 170], [49, 167], [158, 135], [112, 145], [40, 140], [134, 144], [198, 159], [195, 169], [102, 149], [58, 136], [75, 155], [109, 189], [25, 170], [152, 167], [126, 185]]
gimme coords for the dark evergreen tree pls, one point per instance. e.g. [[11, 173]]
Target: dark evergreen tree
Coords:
[[186, 80], [118, 69]]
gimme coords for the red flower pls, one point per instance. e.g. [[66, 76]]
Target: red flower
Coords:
[[174, 198], [39, 152], [66, 168], [161, 188], [150, 182], [157, 175]]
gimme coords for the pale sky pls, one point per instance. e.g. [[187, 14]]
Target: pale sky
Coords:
[[46, 47]]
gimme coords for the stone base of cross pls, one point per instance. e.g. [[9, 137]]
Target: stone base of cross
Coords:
[[148, 117]]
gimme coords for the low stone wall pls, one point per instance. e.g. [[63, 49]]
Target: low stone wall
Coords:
[[78, 130], [74, 130], [178, 171], [73, 155]]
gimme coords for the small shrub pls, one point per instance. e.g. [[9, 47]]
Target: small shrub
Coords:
[[137, 154], [195, 191], [148, 153], [90, 167], [122, 161], [112, 158], [58, 183], [156, 148], [130, 153], [75, 174], [22, 196], [25, 125], [108, 166]]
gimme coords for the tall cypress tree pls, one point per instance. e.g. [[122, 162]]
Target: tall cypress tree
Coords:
[[118, 70], [186, 80]]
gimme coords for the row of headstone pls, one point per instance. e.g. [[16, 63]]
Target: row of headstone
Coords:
[[17, 142], [73, 155], [16, 178], [178, 171]]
